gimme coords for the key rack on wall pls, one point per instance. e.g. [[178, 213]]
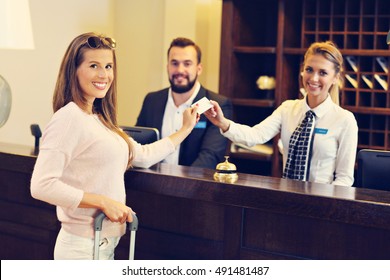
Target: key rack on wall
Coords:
[[269, 37]]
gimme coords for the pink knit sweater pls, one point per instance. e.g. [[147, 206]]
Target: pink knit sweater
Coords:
[[79, 154]]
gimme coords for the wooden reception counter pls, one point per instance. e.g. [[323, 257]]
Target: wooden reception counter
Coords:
[[184, 214]]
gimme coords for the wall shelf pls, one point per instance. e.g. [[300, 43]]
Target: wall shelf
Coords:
[[269, 37]]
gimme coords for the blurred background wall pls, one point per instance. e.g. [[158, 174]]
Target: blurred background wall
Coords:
[[143, 30]]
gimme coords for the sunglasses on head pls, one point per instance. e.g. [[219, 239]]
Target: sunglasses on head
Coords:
[[95, 42]]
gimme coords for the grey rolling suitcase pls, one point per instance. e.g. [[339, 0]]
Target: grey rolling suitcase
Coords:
[[133, 226]]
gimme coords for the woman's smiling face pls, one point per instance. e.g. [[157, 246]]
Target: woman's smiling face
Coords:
[[318, 76], [95, 74]]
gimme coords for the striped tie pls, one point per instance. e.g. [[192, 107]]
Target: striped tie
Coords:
[[299, 151]]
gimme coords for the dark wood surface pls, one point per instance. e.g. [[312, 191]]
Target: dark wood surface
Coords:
[[185, 214]]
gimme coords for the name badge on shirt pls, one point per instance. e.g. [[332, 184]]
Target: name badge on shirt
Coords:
[[320, 130], [200, 124]]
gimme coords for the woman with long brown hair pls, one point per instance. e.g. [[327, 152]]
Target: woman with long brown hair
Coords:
[[84, 154]]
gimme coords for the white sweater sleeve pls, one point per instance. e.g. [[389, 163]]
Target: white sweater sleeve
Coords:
[[46, 184], [59, 142], [150, 154]]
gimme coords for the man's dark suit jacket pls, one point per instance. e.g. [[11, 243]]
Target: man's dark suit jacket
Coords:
[[205, 146]]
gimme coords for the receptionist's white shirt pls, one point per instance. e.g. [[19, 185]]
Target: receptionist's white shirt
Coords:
[[335, 138]]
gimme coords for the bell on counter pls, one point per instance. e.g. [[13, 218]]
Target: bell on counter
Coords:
[[226, 172]]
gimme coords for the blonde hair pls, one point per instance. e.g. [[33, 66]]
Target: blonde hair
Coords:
[[329, 51], [67, 88]]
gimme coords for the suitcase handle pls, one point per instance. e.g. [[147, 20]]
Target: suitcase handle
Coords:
[[133, 226]]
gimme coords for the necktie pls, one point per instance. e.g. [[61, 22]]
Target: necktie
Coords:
[[299, 151]]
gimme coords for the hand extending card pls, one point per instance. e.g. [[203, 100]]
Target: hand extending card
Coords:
[[203, 105]]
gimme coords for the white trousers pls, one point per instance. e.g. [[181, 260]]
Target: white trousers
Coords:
[[72, 247]]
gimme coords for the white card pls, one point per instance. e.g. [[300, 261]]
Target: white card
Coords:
[[203, 105]]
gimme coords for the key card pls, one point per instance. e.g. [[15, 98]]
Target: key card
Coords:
[[203, 105]]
